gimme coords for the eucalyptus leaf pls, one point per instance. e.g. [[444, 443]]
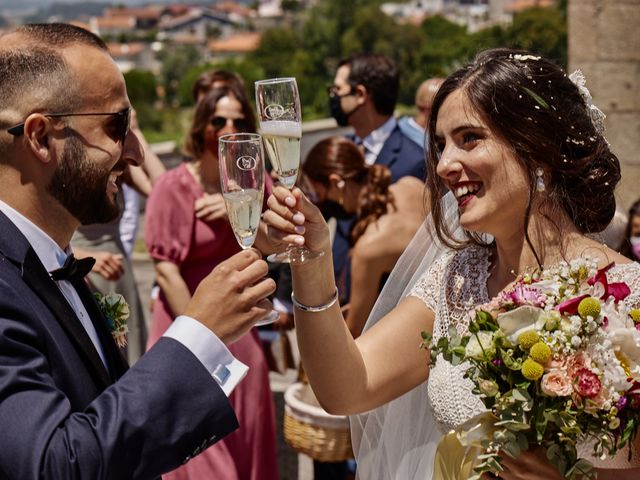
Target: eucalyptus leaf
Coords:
[[539, 100]]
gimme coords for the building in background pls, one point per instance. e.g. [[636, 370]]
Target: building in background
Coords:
[[604, 43]]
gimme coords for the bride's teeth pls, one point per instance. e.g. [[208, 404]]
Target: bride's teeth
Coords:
[[465, 189]]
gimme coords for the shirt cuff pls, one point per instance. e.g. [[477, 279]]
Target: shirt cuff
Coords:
[[226, 370]]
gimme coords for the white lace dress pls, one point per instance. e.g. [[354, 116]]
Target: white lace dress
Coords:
[[455, 285]]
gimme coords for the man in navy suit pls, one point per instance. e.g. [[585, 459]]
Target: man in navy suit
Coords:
[[69, 407], [363, 96]]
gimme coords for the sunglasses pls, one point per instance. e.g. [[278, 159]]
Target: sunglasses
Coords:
[[240, 124], [117, 128]]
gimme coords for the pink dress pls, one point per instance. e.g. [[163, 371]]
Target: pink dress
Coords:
[[173, 233]]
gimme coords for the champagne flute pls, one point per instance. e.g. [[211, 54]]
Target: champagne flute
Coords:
[[278, 105], [241, 162]]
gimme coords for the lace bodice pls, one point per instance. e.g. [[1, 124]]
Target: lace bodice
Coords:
[[456, 284]]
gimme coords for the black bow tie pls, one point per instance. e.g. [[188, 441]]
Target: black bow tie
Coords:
[[73, 269]]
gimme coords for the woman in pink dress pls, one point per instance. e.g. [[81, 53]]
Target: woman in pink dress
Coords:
[[187, 234]]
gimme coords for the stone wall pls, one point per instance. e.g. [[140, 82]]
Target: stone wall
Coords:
[[604, 42]]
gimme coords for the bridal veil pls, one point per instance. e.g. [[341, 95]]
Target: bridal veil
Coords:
[[398, 440]]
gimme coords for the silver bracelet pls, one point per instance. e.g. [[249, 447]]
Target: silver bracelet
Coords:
[[320, 308]]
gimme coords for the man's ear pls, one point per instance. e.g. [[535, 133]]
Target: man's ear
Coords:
[[361, 93], [37, 129]]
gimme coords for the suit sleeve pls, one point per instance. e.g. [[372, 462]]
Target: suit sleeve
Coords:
[[164, 410]]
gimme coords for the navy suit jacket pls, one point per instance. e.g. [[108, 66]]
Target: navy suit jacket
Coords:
[[405, 159], [63, 415]]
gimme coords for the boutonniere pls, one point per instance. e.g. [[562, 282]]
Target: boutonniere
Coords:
[[116, 311]]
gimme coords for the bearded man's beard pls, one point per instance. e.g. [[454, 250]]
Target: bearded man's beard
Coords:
[[81, 186]]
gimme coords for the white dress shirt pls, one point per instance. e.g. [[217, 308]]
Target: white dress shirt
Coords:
[[374, 142], [202, 342]]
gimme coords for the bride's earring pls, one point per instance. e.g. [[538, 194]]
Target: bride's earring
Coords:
[[540, 186]]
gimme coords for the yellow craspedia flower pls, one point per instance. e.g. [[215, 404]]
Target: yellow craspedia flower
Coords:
[[528, 339], [635, 315], [589, 307], [540, 352], [532, 370]]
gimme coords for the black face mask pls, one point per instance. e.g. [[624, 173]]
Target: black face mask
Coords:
[[331, 209], [335, 108]]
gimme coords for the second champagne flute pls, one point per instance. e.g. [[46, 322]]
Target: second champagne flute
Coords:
[[241, 160], [278, 105]]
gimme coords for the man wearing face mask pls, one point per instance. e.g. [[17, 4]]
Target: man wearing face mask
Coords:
[[363, 96]]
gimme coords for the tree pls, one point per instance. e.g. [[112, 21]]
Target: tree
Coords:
[[141, 86], [446, 46], [542, 31], [175, 62], [275, 50], [290, 6]]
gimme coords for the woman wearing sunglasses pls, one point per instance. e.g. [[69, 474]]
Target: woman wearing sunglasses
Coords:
[[187, 234]]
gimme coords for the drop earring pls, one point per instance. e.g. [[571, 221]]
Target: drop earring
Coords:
[[340, 186], [540, 186]]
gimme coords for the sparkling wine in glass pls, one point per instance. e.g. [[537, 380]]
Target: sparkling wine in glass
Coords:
[[278, 104], [241, 161]]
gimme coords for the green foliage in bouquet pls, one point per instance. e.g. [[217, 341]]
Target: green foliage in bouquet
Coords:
[[556, 361]]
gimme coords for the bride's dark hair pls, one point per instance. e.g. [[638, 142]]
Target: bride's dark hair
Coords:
[[532, 105]]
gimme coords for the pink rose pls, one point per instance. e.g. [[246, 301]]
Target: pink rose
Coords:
[[586, 384], [556, 383], [577, 362], [556, 364]]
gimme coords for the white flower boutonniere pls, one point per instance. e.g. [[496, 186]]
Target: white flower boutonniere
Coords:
[[116, 311]]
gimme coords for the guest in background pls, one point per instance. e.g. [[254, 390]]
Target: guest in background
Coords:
[[138, 180], [363, 96], [186, 240], [414, 127], [387, 216], [631, 244], [211, 79]]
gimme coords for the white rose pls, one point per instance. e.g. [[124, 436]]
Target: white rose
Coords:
[[520, 320], [475, 350], [626, 342]]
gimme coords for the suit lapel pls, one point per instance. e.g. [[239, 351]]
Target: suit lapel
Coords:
[[116, 361], [391, 148], [35, 275]]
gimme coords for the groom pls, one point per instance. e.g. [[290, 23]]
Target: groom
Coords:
[[69, 408]]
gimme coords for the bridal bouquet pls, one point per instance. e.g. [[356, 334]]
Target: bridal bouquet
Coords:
[[556, 361]]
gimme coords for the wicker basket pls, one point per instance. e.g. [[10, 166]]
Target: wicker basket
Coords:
[[310, 430]]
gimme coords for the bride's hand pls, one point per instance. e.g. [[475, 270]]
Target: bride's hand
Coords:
[[530, 465], [293, 220]]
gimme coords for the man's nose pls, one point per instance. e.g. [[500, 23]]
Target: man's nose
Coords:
[[132, 151]]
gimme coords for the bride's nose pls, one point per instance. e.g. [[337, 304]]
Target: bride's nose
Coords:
[[448, 164]]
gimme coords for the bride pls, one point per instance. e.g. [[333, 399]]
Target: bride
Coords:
[[519, 149]]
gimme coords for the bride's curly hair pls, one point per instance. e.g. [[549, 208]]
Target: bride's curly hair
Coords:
[[531, 103], [339, 155]]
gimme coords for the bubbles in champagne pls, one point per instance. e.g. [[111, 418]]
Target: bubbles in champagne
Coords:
[[282, 142], [243, 208]]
